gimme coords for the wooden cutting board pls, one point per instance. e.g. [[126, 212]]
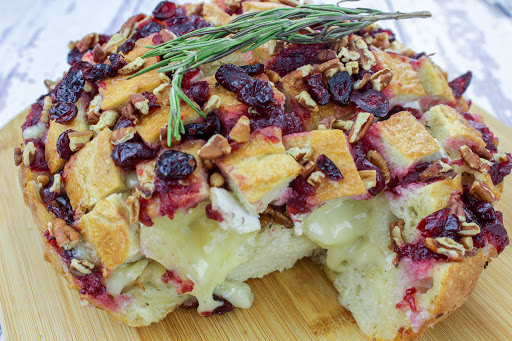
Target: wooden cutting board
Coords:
[[297, 304]]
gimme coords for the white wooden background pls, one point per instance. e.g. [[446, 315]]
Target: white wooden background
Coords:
[[464, 35]]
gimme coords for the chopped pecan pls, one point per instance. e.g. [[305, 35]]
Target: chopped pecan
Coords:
[[291, 3], [447, 247], [167, 35], [316, 178], [129, 112], [98, 54], [93, 114], [47, 104], [43, 180], [381, 79], [325, 55], [18, 156], [469, 229], [342, 124], [129, 27], [304, 99], [483, 152], [467, 242], [81, 267], [29, 154], [329, 64], [212, 104], [369, 178], [474, 161], [381, 40], [140, 103], [301, 155], [275, 46], [216, 147], [352, 68], [278, 217], [56, 186], [107, 119], [86, 42], [78, 139], [216, 180], [362, 82], [131, 67], [500, 157], [378, 161], [436, 170], [145, 190], [133, 205], [122, 135], [361, 125], [347, 55], [395, 232], [338, 45], [65, 236], [481, 191], [308, 168], [273, 76], [241, 131], [457, 208]]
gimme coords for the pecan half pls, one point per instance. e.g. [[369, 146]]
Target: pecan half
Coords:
[[29, 154], [81, 267], [18, 156], [395, 232], [301, 155], [140, 103], [241, 131], [361, 125], [65, 236], [278, 217], [378, 161], [316, 178], [129, 112], [43, 180], [436, 170], [369, 178], [483, 152], [469, 229], [122, 135], [381, 79], [325, 55], [481, 191], [304, 99], [447, 247], [474, 161], [467, 242], [216, 147], [78, 139]]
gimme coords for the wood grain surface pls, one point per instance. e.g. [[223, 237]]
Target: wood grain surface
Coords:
[[296, 304]]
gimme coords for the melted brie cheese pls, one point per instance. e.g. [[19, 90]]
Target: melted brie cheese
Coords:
[[195, 248], [354, 232]]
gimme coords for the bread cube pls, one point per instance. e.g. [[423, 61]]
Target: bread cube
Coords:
[[405, 85], [433, 81], [451, 130], [403, 141], [259, 171], [108, 229], [91, 175], [333, 144]]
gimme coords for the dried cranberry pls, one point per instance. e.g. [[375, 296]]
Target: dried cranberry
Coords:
[[408, 300], [293, 57], [164, 10], [257, 93], [289, 122], [75, 56], [203, 130], [34, 115], [499, 171], [46, 194], [198, 92], [329, 168], [487, 135], [152, 99], [225, 308], [117, 61], [182, 25], [318, 89], [157, 39], [213, 214], [92, 284], [359, 152], [99, 72], [127, 46], [232, 77], [62, 209], [440, 224], [123, 122], [341, 86], [416, 252], [188, 77], [63, 145], [70, 88], [372, 101], [301, 190], [173, 164], [128, 154], [460, 84], [398, 108], [253, 70], [82, 65], [147, 30], [63, 112]]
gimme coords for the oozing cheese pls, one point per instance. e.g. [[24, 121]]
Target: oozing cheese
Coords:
[[236, 218], [348, 229], [124, 275], [195, 248]]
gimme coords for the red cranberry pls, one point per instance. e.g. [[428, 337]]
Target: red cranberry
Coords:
[[371, 101], [75, 56], [127, 46], [408, 300], [34, 116], [144, 217], [440, 224], [63, 145], [318, 89], [39, 164], [225, 308], [341, 87], [198, 92], [253, 70], [289, 122], [63, 112], [173, 164], [182, 25], [123, 122], [157, 39], [117, 61], [416, 252], [213, 214], [487, 135], [92, 284], [203, 130], [460, 84], [152, 99], [128, 154], [301, 190], [99, 72], [232, 77], [62, 209], [257, 93], [499, 171], [70, 88], [182, 287], [398, 108], [46, 194], [293, 57], [329, 168], [147, 30], [81, 65], [164, 10], [359, 152]]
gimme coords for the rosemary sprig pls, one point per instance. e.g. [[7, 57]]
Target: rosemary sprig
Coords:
[[247, 32]]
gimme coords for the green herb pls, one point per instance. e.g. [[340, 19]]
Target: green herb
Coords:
[[247, 32]]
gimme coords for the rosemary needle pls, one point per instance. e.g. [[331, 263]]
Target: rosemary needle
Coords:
[[249, 31]]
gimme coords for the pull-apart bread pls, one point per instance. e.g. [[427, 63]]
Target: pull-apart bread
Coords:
[[363, 157]]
